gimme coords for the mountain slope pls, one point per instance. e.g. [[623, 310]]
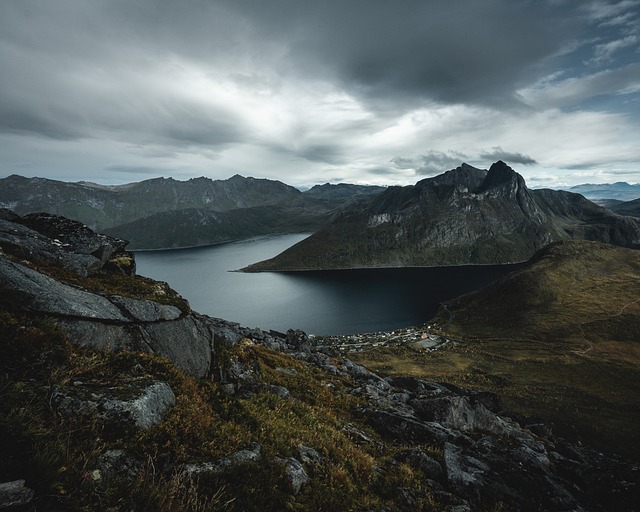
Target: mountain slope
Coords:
[[567, 288], [558, 340], [165, 213], [195, 227], [342, 190], [463, 216], [631, 208]]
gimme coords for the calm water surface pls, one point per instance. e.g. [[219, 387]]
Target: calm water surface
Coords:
[[319, 302]]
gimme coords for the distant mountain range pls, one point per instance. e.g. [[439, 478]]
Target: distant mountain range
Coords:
[[464, 216], [620, 190], [166, 213]]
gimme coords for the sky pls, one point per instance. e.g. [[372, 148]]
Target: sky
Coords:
[[362, 91]]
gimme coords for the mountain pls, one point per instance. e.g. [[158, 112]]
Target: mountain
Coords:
[[166, 213], [105, 207], [342, 190], [195, 227], [630, 208], [620, 190], [115, 395], [464, 216]]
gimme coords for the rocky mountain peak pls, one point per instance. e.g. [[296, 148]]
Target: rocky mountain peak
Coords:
[[501, 175]]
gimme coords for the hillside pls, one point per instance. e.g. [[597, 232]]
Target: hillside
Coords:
[[557, 340], [165, 213], [631, 208], [114, 395], [570, 287], [464, 216], [195, 227]]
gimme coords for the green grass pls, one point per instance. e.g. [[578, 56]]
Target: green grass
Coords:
[[557, 340], [57, 454]]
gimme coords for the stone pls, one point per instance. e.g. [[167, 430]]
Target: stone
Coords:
[[298, 341], [53, 240], [129, 405], [309, 455], [187, 342], [280, 391], [145, 310], [464, 473], [463, 413], [117, 464], [15, 494], [296, 475], [248, 455], [417, 458], [39, 293], [404, 427]]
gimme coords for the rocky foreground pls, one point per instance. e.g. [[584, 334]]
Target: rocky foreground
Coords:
[[160, 407]]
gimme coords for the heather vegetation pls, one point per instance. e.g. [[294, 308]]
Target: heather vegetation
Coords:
[[557, 340], [60, 456]]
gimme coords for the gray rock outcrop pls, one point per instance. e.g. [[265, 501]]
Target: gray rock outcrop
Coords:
[[51, 240], [15, 494], [138, 405]]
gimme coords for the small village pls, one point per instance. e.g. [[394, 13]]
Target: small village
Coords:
[[423, 336]]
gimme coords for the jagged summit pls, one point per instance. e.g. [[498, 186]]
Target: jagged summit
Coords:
[[465, 176], [464, 216]]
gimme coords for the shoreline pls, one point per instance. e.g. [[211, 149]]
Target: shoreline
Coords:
[[214, 244], [338, 269]]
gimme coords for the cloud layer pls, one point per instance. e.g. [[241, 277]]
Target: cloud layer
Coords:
[[361, 90]]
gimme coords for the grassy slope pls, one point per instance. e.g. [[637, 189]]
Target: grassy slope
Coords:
[[558, 340], [58, 455]]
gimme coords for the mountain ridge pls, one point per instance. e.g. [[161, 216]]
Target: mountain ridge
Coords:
[[207, 211], [463, 216]]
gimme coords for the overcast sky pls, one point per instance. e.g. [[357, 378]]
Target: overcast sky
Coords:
[[314, 91]]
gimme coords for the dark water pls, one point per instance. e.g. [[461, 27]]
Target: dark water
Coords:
[[319, 302]]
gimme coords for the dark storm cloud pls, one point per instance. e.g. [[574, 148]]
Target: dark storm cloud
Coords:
[[389, 54], [383, 171], [445, 51], [431, 163], [285, 84], [77, 70], [497, 153]]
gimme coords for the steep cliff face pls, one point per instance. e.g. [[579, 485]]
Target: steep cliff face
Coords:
[[464, 216]]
